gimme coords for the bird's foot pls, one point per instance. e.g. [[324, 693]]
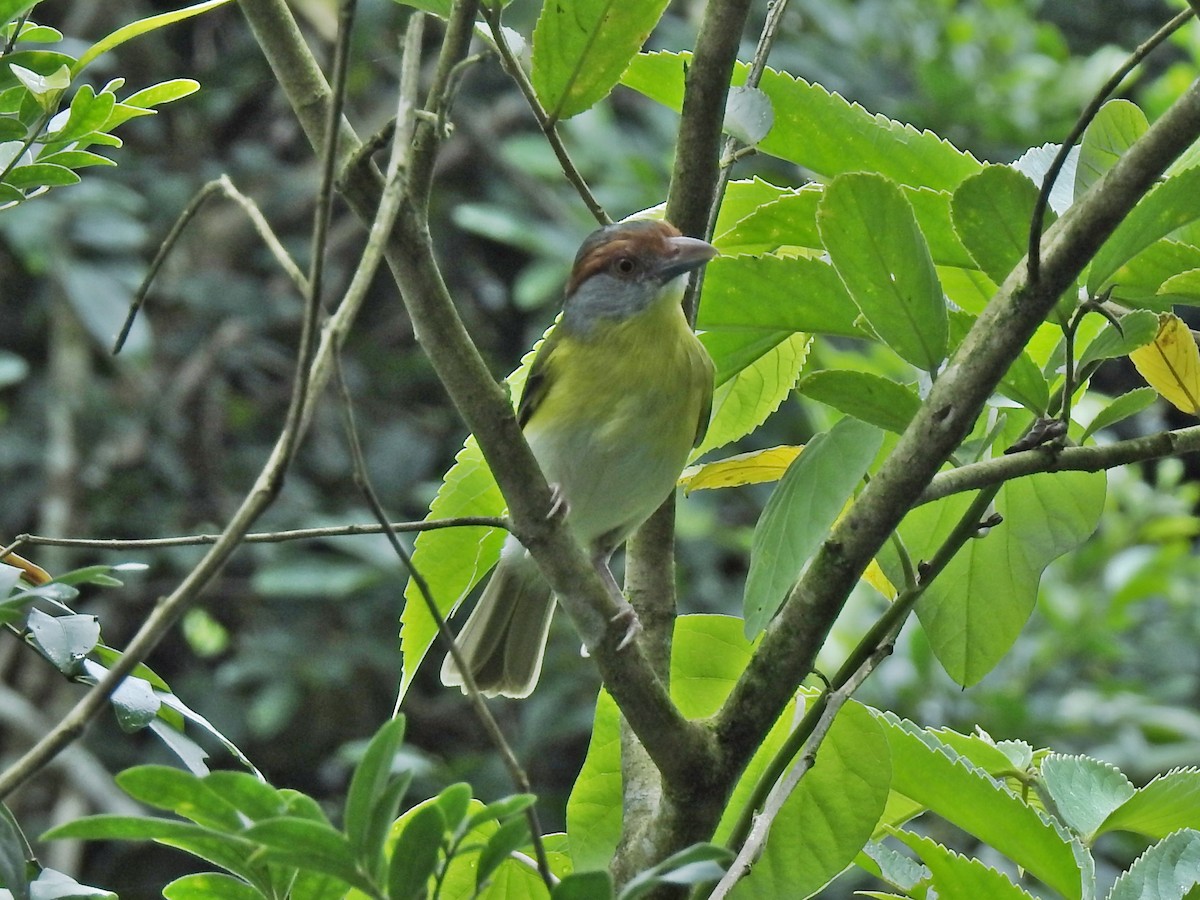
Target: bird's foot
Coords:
[[559, 506], [628, 619]]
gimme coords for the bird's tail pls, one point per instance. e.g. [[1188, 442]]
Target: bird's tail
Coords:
[[505, 636]]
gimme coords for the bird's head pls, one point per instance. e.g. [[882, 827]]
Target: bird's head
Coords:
[[622, 269]]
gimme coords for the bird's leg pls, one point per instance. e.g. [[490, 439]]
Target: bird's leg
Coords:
[[627, 617], [559, 505]]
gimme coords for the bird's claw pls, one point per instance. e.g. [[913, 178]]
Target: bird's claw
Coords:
[[633, 626], [559, 506]]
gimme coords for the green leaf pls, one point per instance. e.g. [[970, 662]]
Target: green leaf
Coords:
[[780, 223], [1168, 803], [164, 787], [365, 829], [819, 130], [509, 837], [871, 398], [1183, 287], [1138, 328], [501, 809], [452, 560], [163, 92], [973, 612], [581, 48], [745, 401], [1023, 382], [800, 512], [692, 865], [584, 886], [247, 794], [1085, 791], [1128, 404], [14, 853], [139, 28], [89, 112], [1114, 129], [708, 654], [38, 174], [12, 9], [1168, 206], [959, 876], [439, 8], [929, 773], [77, 159], [991, 212], [134, 701], [454, 801], [64, 640], [873, 240], [1167, 871], [308, 845], [776, 293], [830, 815], [415, 855], [209, 886]]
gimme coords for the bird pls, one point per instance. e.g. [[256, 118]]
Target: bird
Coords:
[[616, 398]]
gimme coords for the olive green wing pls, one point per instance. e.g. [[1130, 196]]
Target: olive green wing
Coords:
[[538, 381], [710, 374]]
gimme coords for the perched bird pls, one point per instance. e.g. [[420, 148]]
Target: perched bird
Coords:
[[616, 398]]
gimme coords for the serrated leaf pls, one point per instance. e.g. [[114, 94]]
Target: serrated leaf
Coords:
[[1138, 328], [820, 130], [745, 401], [1171, 364], [926, 771], [1085, 791], [1035, 163], [415, 855], [871, 398], [755, 467], [581, 48], [1168, 803], [1114, 129], [872, 238], [958, 876], [1166, 871], [1128, 404], [1168, 206], [991, 212], [800, 512]]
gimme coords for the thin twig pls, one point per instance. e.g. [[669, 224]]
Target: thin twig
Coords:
[[519, 778], [262, 228], [1081, 124], [548, 126]]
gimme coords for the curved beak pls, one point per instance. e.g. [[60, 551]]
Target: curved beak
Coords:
[[685, 254]]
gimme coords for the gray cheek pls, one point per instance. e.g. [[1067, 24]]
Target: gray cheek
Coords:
[[604, 297]]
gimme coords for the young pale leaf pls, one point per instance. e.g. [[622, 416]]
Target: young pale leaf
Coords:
[[138, 28], [89, 111], [1138, 328], [755, 467], [955, 875], [748, 114], [776, 293], [581, 48], [875, 400], [208, 885], [1114, 129], [1085, 791], [1171, 364], [801, 511], [1183, 287], [1170, 205], [371, 777], [1168, 803], [932, 775], [991, 212], [163, 92], [134, 701], [415, 855], [821, 131], [830, 815], [974, 611], [873, 240], [64, 640], [1128, 404], [1170, 870]]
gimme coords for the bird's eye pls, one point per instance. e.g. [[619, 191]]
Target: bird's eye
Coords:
[[626, 265]]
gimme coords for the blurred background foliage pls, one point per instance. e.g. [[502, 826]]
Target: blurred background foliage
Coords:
[[294, 653]]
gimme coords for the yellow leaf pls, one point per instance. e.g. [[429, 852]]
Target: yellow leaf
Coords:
[[755, 467], [875, 578], [1171, 364]]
